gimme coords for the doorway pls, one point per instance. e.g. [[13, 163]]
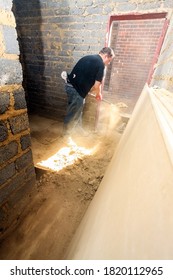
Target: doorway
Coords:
[[136, 40]]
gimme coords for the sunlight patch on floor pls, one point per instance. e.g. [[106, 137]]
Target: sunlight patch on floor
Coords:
[[66, 156]]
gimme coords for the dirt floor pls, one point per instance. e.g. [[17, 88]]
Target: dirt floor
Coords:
[[69, 171]]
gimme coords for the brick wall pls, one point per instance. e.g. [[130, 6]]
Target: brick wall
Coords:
[[135, 46], [17, 172], [54, 34]]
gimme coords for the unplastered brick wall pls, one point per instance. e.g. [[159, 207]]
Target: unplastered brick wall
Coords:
[[17, 173], [54, 34], [135, 46]]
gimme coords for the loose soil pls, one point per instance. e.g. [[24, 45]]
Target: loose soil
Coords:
[[69, 171]]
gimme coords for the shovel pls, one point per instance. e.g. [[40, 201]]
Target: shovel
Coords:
[[104, 100]]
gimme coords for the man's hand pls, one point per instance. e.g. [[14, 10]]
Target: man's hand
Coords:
[[97, 90], [99, 96]]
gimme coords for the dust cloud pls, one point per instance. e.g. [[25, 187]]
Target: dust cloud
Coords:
[[69, 171]]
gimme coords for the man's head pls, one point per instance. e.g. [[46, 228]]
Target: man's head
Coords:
[[107, 55]]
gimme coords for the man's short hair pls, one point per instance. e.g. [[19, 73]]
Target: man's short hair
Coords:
[[108, 51]]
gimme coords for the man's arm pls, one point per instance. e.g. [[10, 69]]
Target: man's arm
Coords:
[[97, 90]]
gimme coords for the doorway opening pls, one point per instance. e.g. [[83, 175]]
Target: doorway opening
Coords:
[[136, 40]]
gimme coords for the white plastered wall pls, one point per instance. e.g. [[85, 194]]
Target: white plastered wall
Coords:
[[131, 215]]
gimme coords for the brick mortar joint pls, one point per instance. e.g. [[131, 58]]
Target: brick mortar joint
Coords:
[[10, 88], [15, 137], [13, 113], [9, 56], [12, 160]]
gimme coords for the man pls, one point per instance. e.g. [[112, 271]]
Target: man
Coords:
[[86, 76]]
